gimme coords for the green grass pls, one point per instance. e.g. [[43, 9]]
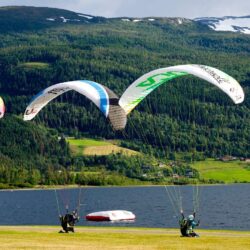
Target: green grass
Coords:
[[228, 172], [87, 142], [96, 147], [94, 238], [110, 178], [78, 146], [34, 65]]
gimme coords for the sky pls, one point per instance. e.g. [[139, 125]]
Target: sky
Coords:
[[145, 8]]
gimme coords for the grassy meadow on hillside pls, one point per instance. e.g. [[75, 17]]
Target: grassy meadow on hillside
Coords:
[[34, 65], [97, 147], [228, 172]]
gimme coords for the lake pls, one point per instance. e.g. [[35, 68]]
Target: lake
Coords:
[[221, 206]]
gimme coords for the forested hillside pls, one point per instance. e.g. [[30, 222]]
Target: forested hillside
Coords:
[[182, 116], [30, 154]]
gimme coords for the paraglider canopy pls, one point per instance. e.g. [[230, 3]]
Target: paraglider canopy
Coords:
[[147, 83], [105, 99], [2, 108], [144, 85]]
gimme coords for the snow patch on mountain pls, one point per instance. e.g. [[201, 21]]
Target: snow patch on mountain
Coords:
[[78, 18], [179, 20], [240, 24], [137, 20], [64, 19], [51, 19], [86, 16], [233, 24]]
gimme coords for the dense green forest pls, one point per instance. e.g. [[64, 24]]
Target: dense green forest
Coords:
[[185, 115], [30, 154]]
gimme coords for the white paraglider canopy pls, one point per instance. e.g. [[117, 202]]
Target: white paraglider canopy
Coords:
[[105, 99], [144, 85]]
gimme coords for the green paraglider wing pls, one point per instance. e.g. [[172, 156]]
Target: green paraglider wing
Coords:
[[144, 85]]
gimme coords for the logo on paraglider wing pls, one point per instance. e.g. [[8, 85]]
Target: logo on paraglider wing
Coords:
[[152, 83], [239, 98], [156, 80], [30, 111], [212, 73], [57, 91]]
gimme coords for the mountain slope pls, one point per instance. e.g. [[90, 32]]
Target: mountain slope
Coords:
[[186, 113], [23, 18], [16, 18], [28, 151]]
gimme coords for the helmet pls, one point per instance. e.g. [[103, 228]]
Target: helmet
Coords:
[[191, 217]]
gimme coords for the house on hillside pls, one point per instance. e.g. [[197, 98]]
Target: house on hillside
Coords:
[[175, 176], [189, 174], [146, 168], [226, 158], [162, 165], [245, 159]]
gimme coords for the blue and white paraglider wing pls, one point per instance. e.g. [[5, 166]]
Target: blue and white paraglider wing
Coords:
[[101, 96]]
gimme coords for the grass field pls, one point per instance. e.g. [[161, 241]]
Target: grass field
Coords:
[[34, 65], [91, 238], [87, 142], [96, 147], [228, 172]]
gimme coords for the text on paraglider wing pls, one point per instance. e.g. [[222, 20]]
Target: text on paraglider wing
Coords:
[[218, 78], [30, 111], [57, 91]]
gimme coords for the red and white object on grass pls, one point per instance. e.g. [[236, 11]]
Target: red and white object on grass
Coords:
[[114, 215]]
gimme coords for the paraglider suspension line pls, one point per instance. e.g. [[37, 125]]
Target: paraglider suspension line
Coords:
[[57, 203]]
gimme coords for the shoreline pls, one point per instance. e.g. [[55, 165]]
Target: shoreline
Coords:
[[83, 228], [58, 187]]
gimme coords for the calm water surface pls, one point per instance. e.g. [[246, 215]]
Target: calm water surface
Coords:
[[221, 207]]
